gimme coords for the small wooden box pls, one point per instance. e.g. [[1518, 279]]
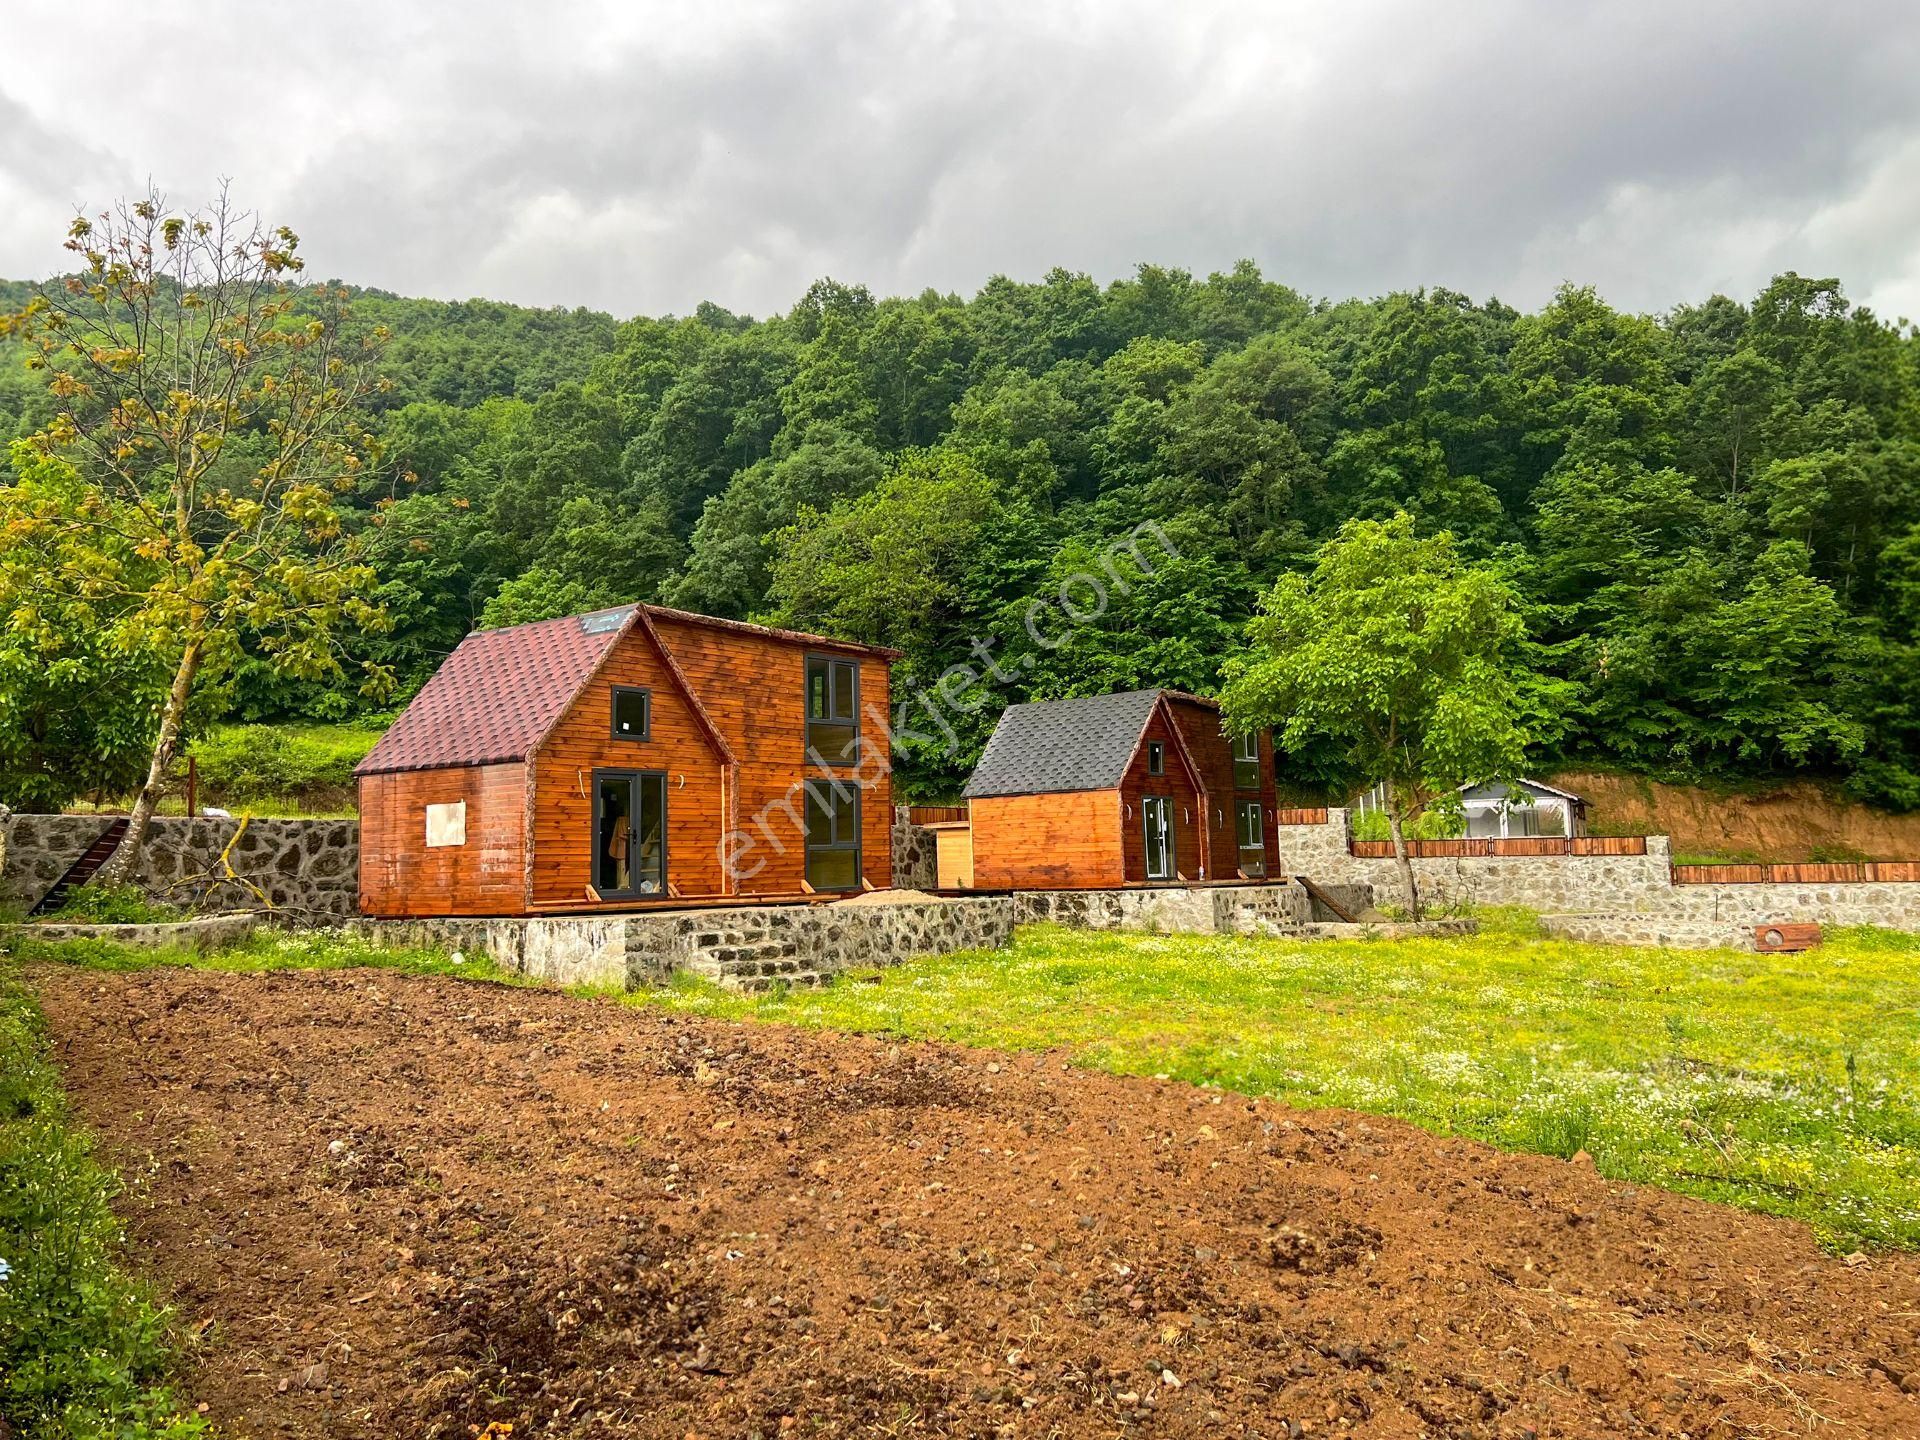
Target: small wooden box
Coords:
[[1785, 936]]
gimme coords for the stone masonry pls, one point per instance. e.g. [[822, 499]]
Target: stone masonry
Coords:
[[302, 869], [915, 862], [747, 947], [1273, 909], [1637, 891]]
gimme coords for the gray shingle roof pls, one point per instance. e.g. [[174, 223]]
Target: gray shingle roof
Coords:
[[1052, 746]]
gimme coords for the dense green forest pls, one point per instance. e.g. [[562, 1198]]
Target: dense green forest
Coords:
[[1714, 514]]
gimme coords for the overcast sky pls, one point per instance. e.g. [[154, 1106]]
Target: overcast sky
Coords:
[[643, 157]]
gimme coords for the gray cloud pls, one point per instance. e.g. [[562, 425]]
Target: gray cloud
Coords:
[[645, 157]]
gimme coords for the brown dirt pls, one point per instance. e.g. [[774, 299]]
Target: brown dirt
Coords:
[[1786, 822], [404, 1207]]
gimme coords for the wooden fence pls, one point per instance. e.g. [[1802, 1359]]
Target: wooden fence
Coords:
[[1899, 872], [935, 814], [1300, 817], [1530, 845]]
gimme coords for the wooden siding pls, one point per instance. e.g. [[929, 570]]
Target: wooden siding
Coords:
[[529, 827], [953, 857], [1047, 842], [1212, 753], [1296, 815], [1870, 872], [401, 876], [754, 690], [1177, 786], [936, 814], [582, 741], [1517, 845]]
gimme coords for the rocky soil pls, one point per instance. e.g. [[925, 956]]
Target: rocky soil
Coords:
[[409, 1207]]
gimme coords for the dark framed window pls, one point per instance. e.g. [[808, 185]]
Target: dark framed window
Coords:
[[1156, 757], [1246, 762], [833, 835], [1248, 822], [632, 713], [833, 709]]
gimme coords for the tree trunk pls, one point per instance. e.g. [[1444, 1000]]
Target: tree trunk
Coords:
[[119, 868], [1400, 853]]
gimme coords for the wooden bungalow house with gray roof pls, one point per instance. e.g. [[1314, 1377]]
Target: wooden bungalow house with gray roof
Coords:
[[1108, 791]]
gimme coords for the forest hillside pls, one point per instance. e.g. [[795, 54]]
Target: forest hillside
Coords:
[[1067, 487]]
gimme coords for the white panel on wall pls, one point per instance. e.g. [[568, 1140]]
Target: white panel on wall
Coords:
[[447, 824]]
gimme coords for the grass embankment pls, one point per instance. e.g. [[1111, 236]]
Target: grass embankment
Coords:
[[289, 771], [84, 1352], [1784, 1084]]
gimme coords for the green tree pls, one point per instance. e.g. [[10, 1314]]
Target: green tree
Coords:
[[1402, 654], [176, 343]]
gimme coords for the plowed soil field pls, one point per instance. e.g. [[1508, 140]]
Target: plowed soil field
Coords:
[[408, 1207]]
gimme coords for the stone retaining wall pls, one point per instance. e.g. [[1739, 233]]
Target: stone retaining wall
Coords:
[[204, 932], [1674, 933], [745, 947], [1619, 887], [1273, 909], [306, 869]]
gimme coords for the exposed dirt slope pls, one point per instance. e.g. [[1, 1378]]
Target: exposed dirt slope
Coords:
[[404, 1207], [1786, 822]]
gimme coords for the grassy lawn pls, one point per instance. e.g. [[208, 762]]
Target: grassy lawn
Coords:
[[1787, 1084]]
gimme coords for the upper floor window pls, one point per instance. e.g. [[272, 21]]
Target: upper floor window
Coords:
[[632, 713], [833, 709], [1246, 762], [1156, 757]]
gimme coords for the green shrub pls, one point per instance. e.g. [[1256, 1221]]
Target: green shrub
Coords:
[[83, 1352], [239, 763], [111, 905], [1372, 825]]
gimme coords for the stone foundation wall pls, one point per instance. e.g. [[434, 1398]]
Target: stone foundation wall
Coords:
[[747, 947], [915, 863], [307, 869], [1273, 909]]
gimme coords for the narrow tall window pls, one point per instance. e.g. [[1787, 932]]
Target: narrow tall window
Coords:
[[833, 709], [1253, 840], [833, 835], [1246, 762], [1156, 758]]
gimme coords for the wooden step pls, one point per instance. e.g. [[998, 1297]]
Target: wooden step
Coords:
[[85, 868]]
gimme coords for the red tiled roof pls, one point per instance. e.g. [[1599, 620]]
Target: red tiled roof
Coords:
[[500, 691], [495, 695]]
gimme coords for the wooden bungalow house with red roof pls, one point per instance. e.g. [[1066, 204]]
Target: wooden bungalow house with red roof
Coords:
[[1109, 791], [630, 757]]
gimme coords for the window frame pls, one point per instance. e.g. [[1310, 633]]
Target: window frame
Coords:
[[1241, 847], [842, 789], [613, 712], [1156, 757], [1252, 741], [1170, 853], [835, 666]]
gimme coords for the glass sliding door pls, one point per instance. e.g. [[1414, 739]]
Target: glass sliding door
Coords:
[[1156, 812], [629, 833]]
